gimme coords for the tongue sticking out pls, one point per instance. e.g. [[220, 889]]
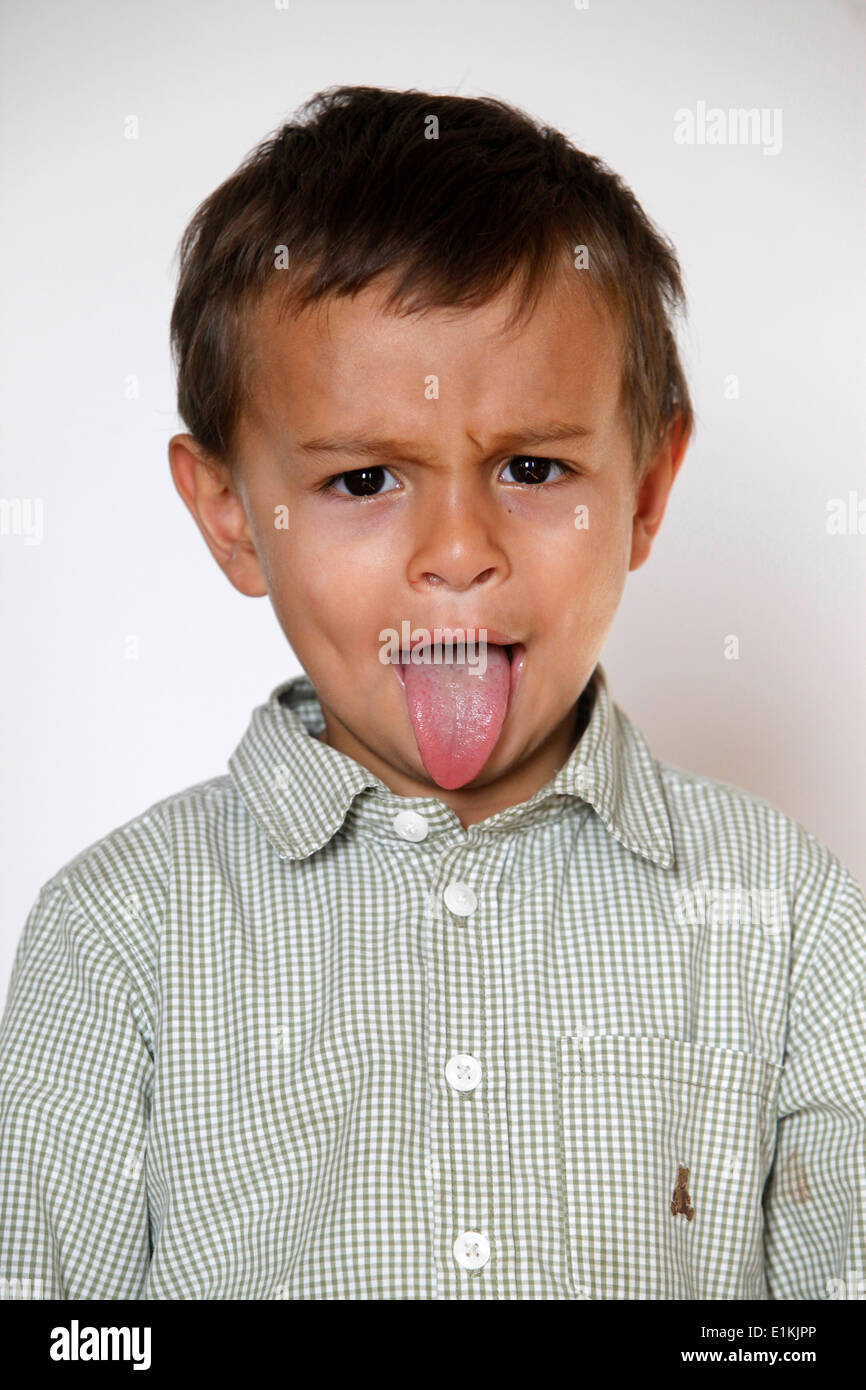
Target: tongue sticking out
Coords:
[[457, 713]]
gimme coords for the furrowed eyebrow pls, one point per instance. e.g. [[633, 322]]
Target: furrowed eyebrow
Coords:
[[361, 446]]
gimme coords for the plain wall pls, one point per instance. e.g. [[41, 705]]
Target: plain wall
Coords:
[[771, 246]]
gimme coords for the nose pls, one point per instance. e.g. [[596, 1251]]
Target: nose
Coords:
[[458, 543]]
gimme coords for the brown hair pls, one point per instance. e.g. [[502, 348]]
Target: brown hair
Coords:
[[364, 182]]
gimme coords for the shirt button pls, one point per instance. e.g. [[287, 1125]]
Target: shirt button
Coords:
[[460, 898], [471, 1249], [463, 1071], [410, 825]]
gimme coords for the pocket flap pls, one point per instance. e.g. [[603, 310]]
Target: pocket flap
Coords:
[[670, 1059]]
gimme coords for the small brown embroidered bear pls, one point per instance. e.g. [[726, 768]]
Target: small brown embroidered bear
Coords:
[[681, 1201]]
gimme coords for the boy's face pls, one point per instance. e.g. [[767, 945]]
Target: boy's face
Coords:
[[466, 523]]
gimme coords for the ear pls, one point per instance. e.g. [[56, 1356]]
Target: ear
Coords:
[[206, 487], [654, 489]]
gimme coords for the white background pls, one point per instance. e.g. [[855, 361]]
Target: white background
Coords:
[[772, 251]]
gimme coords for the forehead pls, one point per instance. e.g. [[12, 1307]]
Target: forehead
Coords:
[[354, 361]]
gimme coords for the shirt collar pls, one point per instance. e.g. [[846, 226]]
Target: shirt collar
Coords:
[[301, 792]]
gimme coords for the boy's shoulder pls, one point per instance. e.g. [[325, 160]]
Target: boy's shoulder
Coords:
[[724, 832], [710, 828], [120, 881], [719, 800], [740, 859], [141, 847]]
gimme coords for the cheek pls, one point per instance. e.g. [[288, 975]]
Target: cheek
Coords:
[[604, 534], [330, 590], [301, 556], [586, 564], [588, 543]]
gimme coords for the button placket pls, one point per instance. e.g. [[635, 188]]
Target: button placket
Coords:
[[461, 1134]]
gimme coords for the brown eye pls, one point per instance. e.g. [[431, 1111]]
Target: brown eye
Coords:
[[530, 469], [361, 482]]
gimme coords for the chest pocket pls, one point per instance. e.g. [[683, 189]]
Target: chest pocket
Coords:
[[665, 1147]]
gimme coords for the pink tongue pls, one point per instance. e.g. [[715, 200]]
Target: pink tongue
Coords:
[[457, 714]]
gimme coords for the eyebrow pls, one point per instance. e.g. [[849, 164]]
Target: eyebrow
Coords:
[[550, 432]]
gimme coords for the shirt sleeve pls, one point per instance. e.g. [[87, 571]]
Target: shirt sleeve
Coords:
[[75, 1085], [815, 1200]]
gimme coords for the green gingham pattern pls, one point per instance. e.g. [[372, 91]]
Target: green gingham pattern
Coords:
[[265, 1042]]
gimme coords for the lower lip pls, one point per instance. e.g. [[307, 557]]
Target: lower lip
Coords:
[[518, 662]]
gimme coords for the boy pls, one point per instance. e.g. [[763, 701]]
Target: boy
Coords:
[[449, 989]]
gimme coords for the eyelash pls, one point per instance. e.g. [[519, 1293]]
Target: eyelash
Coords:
[[328, 485]]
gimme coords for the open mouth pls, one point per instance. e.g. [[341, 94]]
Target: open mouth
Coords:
[[450, 650], [444, 652]]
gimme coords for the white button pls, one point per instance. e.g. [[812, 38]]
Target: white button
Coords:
[[471, 1249], [463, 1071], [410, 825], [460, 898]]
